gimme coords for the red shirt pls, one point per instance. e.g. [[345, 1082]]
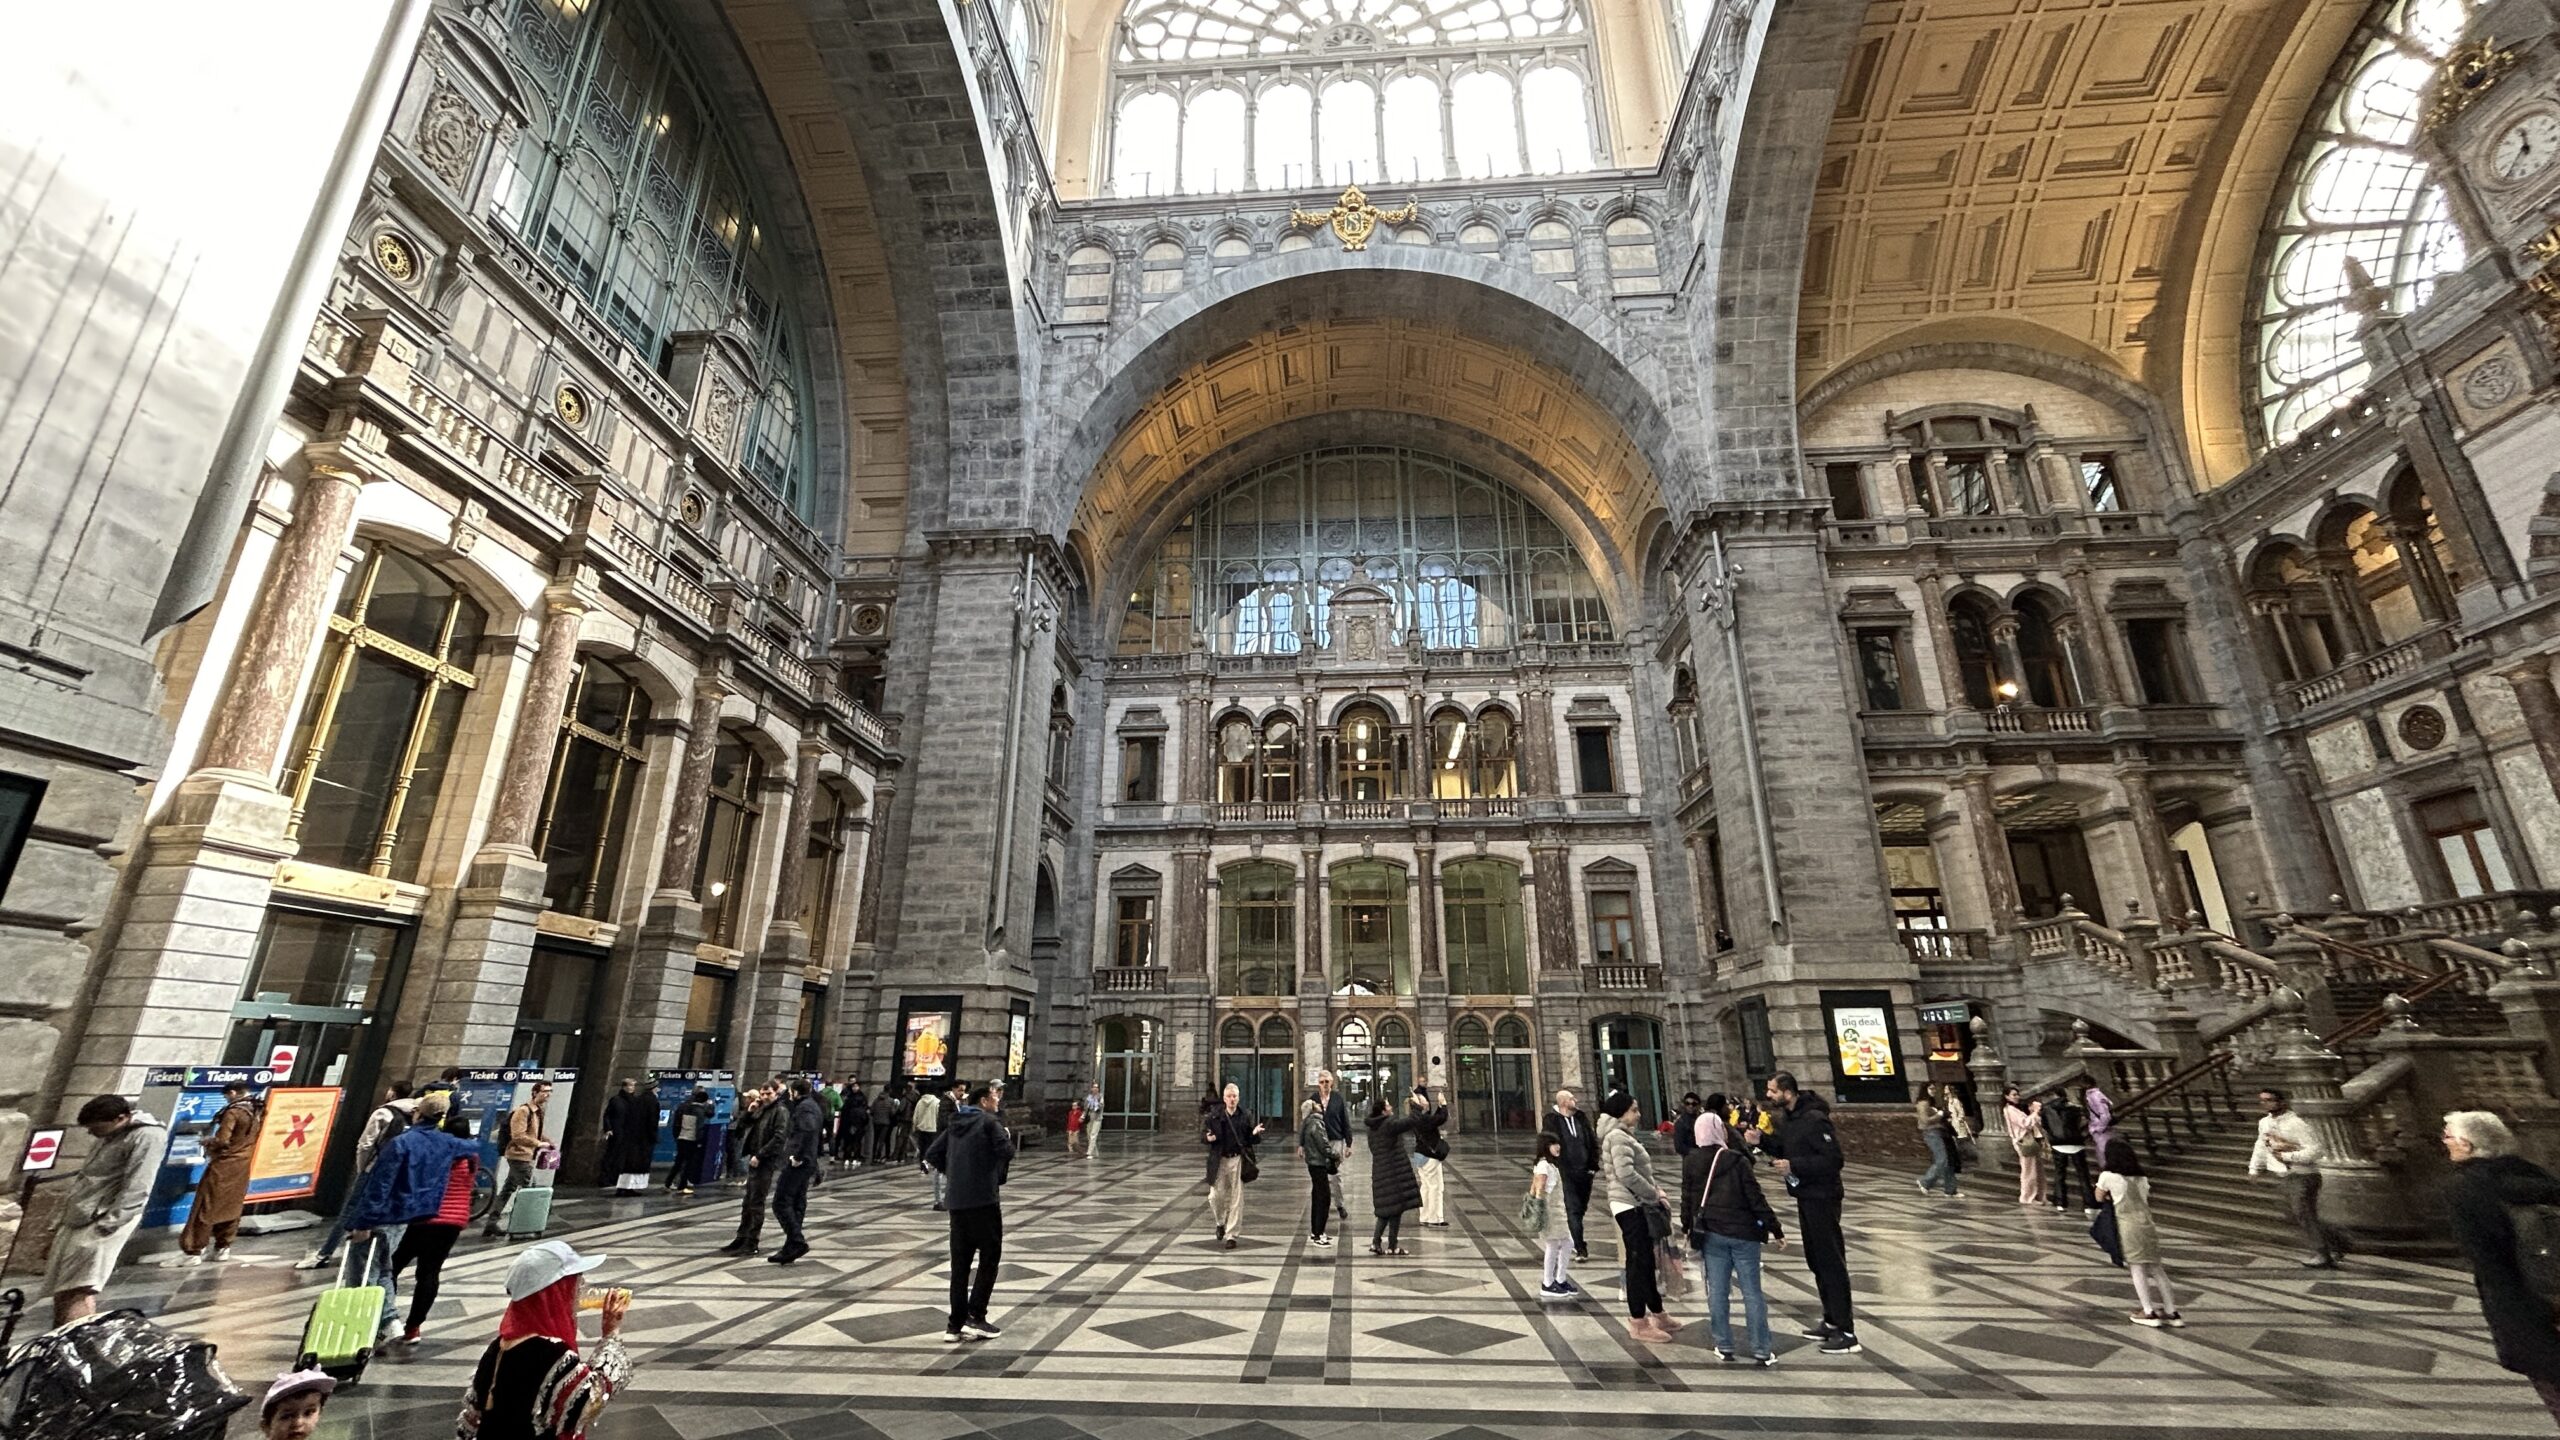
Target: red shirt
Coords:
[[456, 1209]]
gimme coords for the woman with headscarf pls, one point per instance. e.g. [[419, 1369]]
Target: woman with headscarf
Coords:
[[533, 1383]]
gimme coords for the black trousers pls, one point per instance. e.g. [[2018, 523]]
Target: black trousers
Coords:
[[1577, 1198], [977, 1234], [2063, 1165], [688, 1166], [1644, 1282], [1826, 1254], [1320, 1183], [427, 1244], [751, 1213], [791, 1202], [880, 1139]]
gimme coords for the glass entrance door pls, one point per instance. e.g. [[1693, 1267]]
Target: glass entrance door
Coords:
[[1630, 1049], [316, 983], [1125, 1059]]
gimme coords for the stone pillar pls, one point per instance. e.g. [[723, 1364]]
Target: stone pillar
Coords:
[[2420, 568], [480, 977], [1426, 881], [774, 977], [646, 1027], [1192, 912], [1554, 913], [1538, 741], [2356, 1193], [2106, 678], [1991, 843], [2061, 479], [2346, 604], [181, 952], [866, 915], [1210, 930], [2159, 862], [2013, 664], [1907, 486], [2304, 968], [1942, 643], [1191, 760], [2011, 489], [1990, 1077], [2531, 679], [1313, 913]]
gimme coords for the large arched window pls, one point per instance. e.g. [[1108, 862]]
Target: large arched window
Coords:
[[595, 777], [1258, 929], [1511, 72], [626, 188], [1257, 763], [2357, 190], [1369, 756], [1473, 758], [369, 755], [1372, 953], [1468, 561], [1482, 928]]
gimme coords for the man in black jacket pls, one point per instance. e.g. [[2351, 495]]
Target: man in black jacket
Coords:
[[1572, 1134], [1337, 1128], [803, 1147], [765, 1141], [1808, 1155], [973, 1152]]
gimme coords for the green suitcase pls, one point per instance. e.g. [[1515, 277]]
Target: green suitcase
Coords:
[[345, 1321]]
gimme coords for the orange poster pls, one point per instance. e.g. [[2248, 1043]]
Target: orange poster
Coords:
[[294, 1136]]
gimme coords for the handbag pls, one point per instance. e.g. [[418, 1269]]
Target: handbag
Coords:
[[1248, 1172], [1533, 1213], [1657, 1220]]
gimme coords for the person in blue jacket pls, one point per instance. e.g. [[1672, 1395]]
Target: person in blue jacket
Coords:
[[406, 1184]]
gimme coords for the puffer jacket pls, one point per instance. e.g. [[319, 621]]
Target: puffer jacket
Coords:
[[406, 1183], [1625, 1165]]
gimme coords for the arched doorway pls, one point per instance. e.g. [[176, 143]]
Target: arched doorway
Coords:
[[1373, 1058], [1630, 1053], [1125, 1059], [1260, 1060], [1497, 1082]]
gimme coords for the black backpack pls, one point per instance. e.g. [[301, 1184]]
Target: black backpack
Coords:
[[400, 1120], [2538, 1248]]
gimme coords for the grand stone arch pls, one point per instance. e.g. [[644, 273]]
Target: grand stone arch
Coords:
[[1637, 386]]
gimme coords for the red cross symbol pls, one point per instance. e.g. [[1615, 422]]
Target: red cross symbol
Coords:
[[300, 1134]]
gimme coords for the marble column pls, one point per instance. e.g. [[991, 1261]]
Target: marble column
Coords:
[[2428, 584], [488, 952], [1193, 891], [1554, 912], [775, 975], [182, 951], [1538, 741], [693, 790], [647, 1006], [2531, 680], [1907, 487], [2106, 676], [1426, 882], [2159, 863], [2346, 604], [1991, 843], [2061, 479], [1942, 643]]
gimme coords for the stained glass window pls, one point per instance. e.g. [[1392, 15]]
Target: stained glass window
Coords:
[[2358, 189]]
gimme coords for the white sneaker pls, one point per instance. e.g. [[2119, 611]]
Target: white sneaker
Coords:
[[312, 1261], [221, 1253]]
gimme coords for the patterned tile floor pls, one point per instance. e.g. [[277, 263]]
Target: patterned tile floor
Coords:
[[1124, 1321]]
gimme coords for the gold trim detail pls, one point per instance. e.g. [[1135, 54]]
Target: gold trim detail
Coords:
[[2468, 73], [570, 404], [395, 257], [1353, 219], [2543, 248]]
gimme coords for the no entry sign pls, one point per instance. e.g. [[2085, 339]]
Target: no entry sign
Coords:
[[43, 1148]]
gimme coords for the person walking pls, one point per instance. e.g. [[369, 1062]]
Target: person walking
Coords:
[[533, 1383], [1430, 1157], [765, 1135], [2122, 1183], [429, 1241], [852, 1123], [1734, 1221], [2490, 1183], [1230, 1132], [2101, 1108], [630, 1137], [2024, 1119], [524, 1138], [1627, 1169], [1315, 1151], [804, 1145], [2066, 1135], [973, 1151], [388, 1119], [1929, 1110], [1555, 1234], [1580, 1162], [104, 1206], [407, 1186], [1092, 1117], [1804, 1149], [884, 1119], [1393, 1188], [928, 1123], [1684, 1125], [691, 1126], [2289, 1149], [214, 1219], [1337, 1124]]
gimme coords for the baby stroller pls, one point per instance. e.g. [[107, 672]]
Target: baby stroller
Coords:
[[115, 1376]]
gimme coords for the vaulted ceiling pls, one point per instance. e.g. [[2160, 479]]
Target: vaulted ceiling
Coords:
[[2084, 177]]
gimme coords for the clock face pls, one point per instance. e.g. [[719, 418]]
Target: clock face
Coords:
[[2527, 147]]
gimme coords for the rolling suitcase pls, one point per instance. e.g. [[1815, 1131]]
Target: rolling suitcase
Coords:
[[529, 1213], [344, 1322]]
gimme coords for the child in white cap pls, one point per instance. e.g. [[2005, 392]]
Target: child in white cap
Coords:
[[291, 1410]]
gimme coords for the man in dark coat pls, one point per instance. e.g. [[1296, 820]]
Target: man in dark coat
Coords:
[[2488, 1178], [1808, 1155], [853, 1121], [765, 1140], [884, 1118], [1572, 1135], [973, 1153], [630, 1137], [804, 1148]]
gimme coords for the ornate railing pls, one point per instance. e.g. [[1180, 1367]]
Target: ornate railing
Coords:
[[1129, 979], [1614, 976]]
